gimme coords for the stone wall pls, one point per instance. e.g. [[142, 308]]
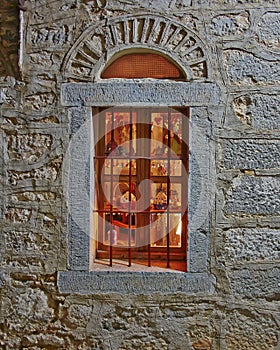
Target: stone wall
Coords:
[[240, 43]]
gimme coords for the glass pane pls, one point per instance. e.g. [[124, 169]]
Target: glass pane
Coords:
[[119, 166], [175, 167], [159, 196], [175, 230], [120, 128], [117, 232], [124, 197], [175, 196], [176, 133], [159, 167], [158, 232], [159, 124]]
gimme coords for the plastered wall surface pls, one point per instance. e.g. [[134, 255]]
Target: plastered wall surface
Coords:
[[231, 62]]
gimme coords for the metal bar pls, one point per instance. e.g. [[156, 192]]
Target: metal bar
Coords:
[[149, 208], [111, 191], [130, 189], [168, 191]]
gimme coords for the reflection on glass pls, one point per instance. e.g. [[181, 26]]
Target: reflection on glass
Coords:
[[137, 147], [159, 230], [166, 130], [175, 232], [159, 196], [120, 131], [175, 197], [117, 231], [119, 166], [175, 167], [159, 167]]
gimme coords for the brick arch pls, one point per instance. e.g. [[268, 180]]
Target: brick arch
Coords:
[[94, 48]]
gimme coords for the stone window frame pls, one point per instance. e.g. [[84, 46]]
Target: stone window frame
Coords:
[[80, 98], [199, 93]]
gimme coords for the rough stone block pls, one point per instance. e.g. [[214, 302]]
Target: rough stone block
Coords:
[[36, 196], [249, 329], [260, 283], [26, 242], [228, 25], [249, 154], [253, 196], [268, 31], [244, 68], [159, 5], [40, 100], [42, 59], [261, 111], [29, 311], [18, 215], [47, 172], [242, 245], [51, 35], [28, 147]]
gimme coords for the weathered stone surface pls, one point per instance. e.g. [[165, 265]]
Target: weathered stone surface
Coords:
[[8, 97], [80, 314], [148, 93], [4, 280], [228, 25], [256, 283], [36, 196], [42, 59], [18, 215], [40, 100], [253, 196], [51, 36], [29, 311], [9, 19], [250, 154], [249, 329], [44, 340], [232, 4], [26, 242], [28, 147], [202, 344], [268, 31], [244, 68], [141, 282], [261, 111], [159, 5], [72, 41], [48, 172], [241, 245]]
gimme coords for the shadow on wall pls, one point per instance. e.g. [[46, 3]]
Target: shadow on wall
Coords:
[[9, 38]]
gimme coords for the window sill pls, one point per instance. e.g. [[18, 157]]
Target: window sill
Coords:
[[112, 281]]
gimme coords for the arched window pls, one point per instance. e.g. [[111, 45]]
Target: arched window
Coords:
[[141, 167], [143, 65]]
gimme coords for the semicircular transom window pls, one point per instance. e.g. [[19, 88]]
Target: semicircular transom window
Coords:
[[143, 65]]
